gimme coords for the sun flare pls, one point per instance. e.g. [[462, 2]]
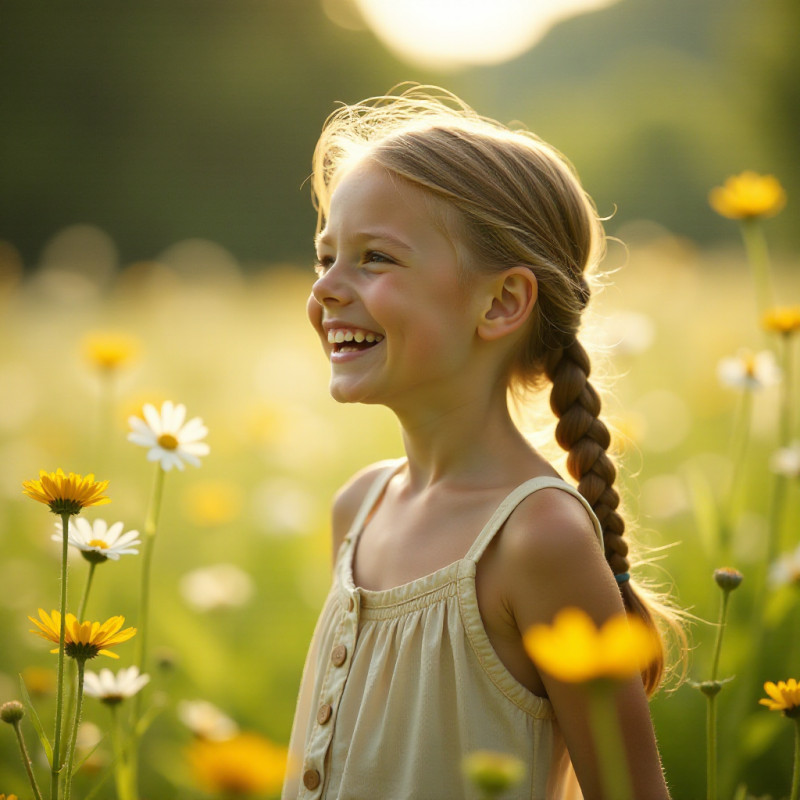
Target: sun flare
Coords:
[[449, 34]]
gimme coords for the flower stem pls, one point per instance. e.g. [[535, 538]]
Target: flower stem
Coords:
[[740, 437], [150, 527], [78, 708], [711, 706], [26, 760], [82, 608], [122, 780], [794, 794], [755, 244], [612, 761], [55, 768]]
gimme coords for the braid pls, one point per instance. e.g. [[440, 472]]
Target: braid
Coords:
[[586, 439]]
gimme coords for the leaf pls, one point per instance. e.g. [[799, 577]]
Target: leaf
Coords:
[[37, 723], [86, 758]]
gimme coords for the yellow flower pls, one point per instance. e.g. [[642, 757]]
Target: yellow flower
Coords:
[[492, 773], [748, 196], [66, 494], [245, 764], [83, 640], [782, 319], [783, 696], [8, 797], [108, 350], [574, 650]]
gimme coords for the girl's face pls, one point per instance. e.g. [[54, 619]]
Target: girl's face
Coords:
[[395, 314]]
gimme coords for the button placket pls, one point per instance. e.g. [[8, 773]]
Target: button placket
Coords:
[[336, 675]]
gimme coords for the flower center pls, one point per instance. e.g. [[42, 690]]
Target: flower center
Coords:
[[167, 441], [98, 543]]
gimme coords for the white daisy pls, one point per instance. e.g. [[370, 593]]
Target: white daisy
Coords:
[[170, 441], [748, 370], [97, 541], [217, 586], [786, 461], [206, 721], [786, 570], [112, 688]]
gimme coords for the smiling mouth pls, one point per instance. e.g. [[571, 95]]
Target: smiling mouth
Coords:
[[347, 340]]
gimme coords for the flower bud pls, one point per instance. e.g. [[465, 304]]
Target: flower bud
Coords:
[[12, 711], [728, 578]]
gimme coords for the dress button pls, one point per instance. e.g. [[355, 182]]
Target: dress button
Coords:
[[324, 713], [311, 779], [339, 655]]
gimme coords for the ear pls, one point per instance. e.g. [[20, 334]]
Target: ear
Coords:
[[512, 297]]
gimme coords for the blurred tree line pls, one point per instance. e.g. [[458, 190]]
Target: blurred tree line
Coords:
[[161, 120]]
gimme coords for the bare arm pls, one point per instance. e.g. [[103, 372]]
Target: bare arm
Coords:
[[552, 559]]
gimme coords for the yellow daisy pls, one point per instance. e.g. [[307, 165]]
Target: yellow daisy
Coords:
[[783, 696], [245, 764], [66, 494], [83, 640], [574, 650], [748, 196], [108, 350], [782, 319], [491, 772]]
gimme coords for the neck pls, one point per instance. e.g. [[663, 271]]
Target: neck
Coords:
[[473, 441]]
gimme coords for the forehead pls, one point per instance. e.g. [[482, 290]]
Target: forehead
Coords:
[[368, 194]]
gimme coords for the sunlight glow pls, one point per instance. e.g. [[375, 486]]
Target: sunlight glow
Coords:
[[448, 34]]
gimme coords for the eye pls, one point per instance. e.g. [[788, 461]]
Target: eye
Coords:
[[376, 257], [324, 263]]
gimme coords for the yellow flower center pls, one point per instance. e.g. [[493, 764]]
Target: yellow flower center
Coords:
[[167, 441], [98, 543]]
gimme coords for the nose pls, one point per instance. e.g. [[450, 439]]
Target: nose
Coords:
[[330, 288]]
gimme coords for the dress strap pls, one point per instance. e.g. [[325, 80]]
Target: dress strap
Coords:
[[516, 496], [372, 496]]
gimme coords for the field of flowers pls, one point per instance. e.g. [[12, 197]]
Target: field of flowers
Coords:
[[697, 352]]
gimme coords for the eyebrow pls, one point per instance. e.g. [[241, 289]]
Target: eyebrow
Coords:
[[369, 236]]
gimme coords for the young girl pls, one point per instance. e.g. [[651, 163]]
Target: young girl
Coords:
[[453, 256]]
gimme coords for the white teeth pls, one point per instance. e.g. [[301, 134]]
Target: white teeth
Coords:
[[345, 335]]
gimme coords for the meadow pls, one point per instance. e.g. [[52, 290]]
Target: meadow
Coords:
[[241, 563]]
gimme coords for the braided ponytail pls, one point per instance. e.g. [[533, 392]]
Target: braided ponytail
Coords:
[[584, 436]]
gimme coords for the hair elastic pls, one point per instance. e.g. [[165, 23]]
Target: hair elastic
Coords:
[[622, 577]]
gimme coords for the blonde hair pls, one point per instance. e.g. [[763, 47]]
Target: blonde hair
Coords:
[[518, 201]]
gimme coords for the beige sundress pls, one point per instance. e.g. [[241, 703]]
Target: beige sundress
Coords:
[[399, 685]]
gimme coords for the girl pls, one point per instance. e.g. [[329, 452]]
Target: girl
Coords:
[[453, 256]]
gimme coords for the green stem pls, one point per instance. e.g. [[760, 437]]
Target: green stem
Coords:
[[755, 244], [711, 707], [794, 794], [723, 613], [121, 767], [150, 527], [612, 761], [711, 748], [55, 769], [787, 391], [84, 599], [740, 438], [26, 760], [78, 709]]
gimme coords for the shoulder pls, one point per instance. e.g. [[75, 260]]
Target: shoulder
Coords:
[[349, 498], [551, 557]]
